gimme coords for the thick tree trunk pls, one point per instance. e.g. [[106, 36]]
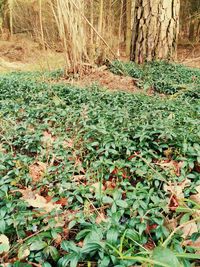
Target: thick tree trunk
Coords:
[[155, 30]]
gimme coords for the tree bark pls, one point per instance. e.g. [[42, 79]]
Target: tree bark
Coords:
[[155, 30]]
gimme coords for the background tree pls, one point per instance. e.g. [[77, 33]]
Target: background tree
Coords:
[[155, 30]]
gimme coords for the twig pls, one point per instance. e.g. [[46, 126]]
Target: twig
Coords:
[[178, 228]]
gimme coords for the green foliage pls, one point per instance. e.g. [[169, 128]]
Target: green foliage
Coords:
[[163, 77], [103, 156]]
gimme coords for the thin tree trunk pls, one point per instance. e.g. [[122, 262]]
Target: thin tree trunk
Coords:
[[41, 24], [100, 24], [128, 26], [155, 30]]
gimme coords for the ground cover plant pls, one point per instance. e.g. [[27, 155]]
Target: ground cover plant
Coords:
[[163, 77], [94, 178]]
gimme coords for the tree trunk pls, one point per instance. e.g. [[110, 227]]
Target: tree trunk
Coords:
[[155, 30]]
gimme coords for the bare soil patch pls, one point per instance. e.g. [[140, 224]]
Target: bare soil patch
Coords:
[[103, 77], [189, 55]]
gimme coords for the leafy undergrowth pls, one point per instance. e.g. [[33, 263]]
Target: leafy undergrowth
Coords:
[[93, 178], [163, 77]]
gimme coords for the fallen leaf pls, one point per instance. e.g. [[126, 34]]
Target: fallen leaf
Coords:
[[178, 188], [48, 139], [194, 244], [62, 201], [151, 227], [110, 184], [189, 229], [100, 218], [37, 171], [172, 165], [37, 201], [97, 188], [150, 245], [171, 224], [41, 203]]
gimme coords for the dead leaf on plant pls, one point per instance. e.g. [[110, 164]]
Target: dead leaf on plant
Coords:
[[37, 171], [173, 203]]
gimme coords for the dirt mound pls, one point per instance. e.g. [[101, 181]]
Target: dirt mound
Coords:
[[103, 77]]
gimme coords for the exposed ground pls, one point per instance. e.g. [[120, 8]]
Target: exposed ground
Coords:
[[24, 55]]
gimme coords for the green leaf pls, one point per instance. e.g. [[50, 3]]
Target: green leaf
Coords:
[[46, 264], [107, 200], [122, 203], [188, 256], [185, 218], [165, 256], [2, 226], [91, 247], [53, 252], [38, 245], [112, 235]]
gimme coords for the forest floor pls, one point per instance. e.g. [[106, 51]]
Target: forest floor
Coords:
[[93, 177]]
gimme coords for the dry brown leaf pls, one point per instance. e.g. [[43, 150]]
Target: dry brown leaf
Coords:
[[36, 201], [78, 178], [110, 184], [58, 239], [172, 165], [37, 171], [177, 189], [41, 203], [171, 224], [48, 139], [101, 218], [2, 150], [195, 244], [97, 187], [79, 165], [68, 144], [62, 201], [189, 229]]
